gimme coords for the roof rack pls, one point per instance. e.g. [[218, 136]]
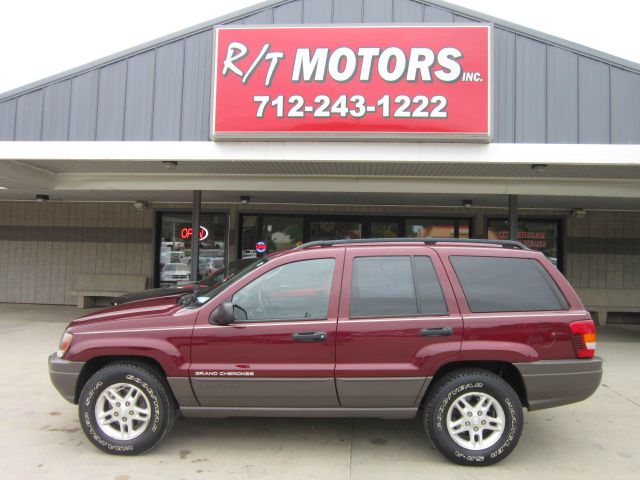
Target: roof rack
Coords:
[[426, 240]]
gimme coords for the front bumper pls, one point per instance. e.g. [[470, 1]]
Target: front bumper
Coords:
[[551, 383], [64, 376]]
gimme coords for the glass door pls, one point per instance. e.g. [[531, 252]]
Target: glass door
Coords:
[[174, 240]]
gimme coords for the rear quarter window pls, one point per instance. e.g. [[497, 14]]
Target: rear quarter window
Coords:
[[506, 284]]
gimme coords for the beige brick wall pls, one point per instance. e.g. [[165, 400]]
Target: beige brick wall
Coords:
[[604, 250], [43, 246]]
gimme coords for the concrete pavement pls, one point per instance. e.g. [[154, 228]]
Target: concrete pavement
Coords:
[[41, 436]]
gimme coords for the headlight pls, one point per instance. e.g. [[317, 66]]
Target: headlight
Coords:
[[65, 343]]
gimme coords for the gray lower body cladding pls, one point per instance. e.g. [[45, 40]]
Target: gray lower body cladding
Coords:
[[64, 376], [316, 393], [338, 412], [551, 383]]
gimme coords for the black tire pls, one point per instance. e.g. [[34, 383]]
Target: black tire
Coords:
[[148, 386], [446, 401]]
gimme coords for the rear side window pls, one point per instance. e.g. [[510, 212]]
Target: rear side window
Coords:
[[500, 284], [430, 297], [395, 286]]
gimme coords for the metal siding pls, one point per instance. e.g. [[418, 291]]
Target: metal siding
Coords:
[[168, 91], [7, 119], [29, 116], [139, 102], [461, 19], [347, 11], [530, 95], [111, 96], [196, 95], [407, 11], [562, 96], [378, 11], [593, 102], [625, 106], [290, 13], [317, 11], [504, 71], [259, 18], [437, 15], [57, 101], [84, 105]]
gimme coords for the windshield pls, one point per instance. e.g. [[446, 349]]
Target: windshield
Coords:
[[234, 267], [208, 293]]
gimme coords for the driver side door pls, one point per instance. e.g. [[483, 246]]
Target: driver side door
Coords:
[[279, 352]]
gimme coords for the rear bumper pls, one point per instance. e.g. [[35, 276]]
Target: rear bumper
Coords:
[[551, 383], [64, 376]]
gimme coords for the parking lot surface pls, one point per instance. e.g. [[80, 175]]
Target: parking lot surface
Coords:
[[41, 435]]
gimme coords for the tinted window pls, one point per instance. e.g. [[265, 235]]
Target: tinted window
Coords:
[[430, 297], [295, 291], [494, 284], [382, 286]]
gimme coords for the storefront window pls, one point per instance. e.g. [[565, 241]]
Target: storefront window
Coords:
[[541, 235], [174, 256], [281, 232], [277, 232], [385, 229], [321, 230], [438, 228]]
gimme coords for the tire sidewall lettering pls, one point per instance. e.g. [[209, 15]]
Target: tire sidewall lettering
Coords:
[[103, 441], [444, 398]]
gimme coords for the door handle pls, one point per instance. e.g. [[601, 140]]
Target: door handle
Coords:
[[436, 332], [310, 336]]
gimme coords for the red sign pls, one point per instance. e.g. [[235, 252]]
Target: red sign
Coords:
[[186, 232], [409, 82], [261, 247]]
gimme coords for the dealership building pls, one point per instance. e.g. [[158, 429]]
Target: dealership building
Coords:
[[300, 120]]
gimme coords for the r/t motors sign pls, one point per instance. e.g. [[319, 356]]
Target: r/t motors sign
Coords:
[[352, 82]]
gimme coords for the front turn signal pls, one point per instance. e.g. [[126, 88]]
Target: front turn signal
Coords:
[[65, 343]]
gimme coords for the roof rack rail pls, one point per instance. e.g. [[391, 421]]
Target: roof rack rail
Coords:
[[425, 240]]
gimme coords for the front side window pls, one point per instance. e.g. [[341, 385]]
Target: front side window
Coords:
[[501, 284], [295, 291], [395, 286]]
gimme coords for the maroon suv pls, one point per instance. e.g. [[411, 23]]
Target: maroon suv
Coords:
[[468, 331]]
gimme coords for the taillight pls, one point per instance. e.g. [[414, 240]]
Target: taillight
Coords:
[[583, 334]]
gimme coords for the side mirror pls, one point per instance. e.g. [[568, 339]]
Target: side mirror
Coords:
[[223, 315]]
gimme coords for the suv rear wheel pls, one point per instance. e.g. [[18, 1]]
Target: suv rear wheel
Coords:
[[473, 417], [126, 409]]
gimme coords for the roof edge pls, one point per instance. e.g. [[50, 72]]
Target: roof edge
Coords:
[[175, 36], [149, 45], [537, 35]]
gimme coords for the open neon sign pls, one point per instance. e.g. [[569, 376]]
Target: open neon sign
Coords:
[[187, 232]]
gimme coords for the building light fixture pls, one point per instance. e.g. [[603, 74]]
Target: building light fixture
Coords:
[[140, 205], [578, 213], [539, 167], [170, 163], [245, 199], [3, 188], [467, 203], [42, 198]]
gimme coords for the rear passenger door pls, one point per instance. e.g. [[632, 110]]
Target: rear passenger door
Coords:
[[398, 318]]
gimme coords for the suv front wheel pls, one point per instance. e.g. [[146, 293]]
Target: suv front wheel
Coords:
[[126, 409], [473, 417]]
